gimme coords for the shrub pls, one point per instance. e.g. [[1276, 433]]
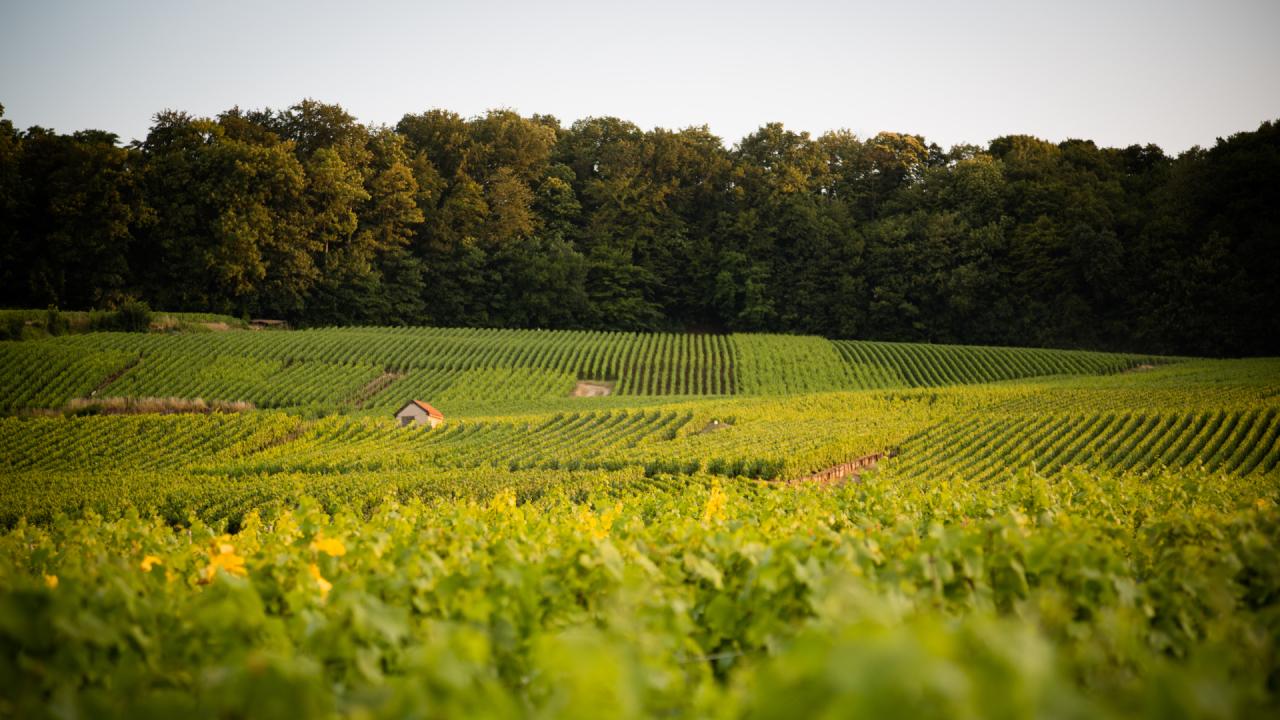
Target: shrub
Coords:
[[11, 326], [101, 321], [133, 316], [54, 322]]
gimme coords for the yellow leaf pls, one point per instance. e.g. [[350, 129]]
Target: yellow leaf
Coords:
[[51, 581], [223, 557], [329, 546], [595, 526], [149, 562], [715, 504], [325, 585]]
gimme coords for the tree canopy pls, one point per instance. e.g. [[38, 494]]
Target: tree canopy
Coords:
[[512, 221]]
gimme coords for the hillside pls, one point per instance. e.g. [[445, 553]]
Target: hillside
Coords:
[[377, 369], [1114, 515]]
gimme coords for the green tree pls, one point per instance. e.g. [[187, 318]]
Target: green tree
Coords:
[[75, 219], [13, 274], [231, 220]]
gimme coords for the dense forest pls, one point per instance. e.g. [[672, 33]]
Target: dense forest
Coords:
[[503, 220]]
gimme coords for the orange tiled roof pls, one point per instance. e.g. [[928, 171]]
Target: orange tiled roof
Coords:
[[426, 407]]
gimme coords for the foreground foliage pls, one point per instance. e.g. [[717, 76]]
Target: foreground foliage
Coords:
[[1089, 595]]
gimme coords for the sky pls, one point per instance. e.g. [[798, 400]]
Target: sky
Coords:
[[1119, 72]]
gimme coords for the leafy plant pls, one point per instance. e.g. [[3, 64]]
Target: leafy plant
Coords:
[[133, 316]]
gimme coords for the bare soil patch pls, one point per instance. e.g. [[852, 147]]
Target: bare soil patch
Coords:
[[165, 323], [851, 470], [593, 388]]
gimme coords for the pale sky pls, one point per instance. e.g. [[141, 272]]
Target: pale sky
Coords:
[[1174, 72]]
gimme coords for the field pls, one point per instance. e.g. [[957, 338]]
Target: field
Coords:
[[1014, 532]]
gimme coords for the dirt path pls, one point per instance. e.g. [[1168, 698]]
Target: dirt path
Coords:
[[851, 470], [592, 388], [373, 387], [115, 376]]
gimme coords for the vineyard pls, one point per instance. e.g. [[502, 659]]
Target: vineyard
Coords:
[[1027, 532], [374, 369]]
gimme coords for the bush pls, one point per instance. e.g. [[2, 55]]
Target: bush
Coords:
[[54, 322], [101, 321], [11, 326], [133, 316]]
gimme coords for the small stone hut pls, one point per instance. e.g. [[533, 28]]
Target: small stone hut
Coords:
[[416, 412]]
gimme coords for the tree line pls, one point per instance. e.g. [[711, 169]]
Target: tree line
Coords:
[[510, 221]]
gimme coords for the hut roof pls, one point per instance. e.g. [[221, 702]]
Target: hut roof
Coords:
[[425, 406]]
